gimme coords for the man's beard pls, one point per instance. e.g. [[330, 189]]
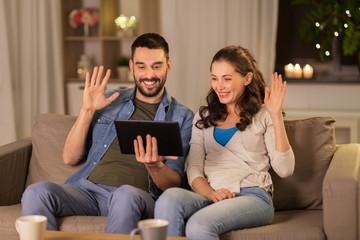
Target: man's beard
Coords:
[[153, 92]]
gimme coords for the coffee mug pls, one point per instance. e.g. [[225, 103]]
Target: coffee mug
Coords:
[[151, 229], [31, 227]]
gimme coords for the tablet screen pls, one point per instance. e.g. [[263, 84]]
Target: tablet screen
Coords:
[[167, 135]]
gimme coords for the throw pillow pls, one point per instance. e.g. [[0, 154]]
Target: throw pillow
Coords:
[[48, 137], [313, 143]]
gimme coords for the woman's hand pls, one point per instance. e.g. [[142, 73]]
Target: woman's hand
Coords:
[[274, 100], [220, 194], [149, 156], [94, 93]]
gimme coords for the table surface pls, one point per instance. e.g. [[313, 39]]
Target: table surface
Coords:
[[61, 235]]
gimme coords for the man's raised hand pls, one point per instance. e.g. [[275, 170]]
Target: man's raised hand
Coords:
[[94, 93]]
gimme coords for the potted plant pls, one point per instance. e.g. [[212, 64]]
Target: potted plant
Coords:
[[333, 25], [123, 68]]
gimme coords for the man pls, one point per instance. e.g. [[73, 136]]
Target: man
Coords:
[[120, 186]]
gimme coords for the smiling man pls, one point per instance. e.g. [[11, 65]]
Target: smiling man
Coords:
[[150, 77], [120, 186]]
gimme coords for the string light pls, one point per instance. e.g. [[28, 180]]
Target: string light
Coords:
[[346, 25], [317, 46], [327, 53], [317, 24], [348, 13], [336, 34]]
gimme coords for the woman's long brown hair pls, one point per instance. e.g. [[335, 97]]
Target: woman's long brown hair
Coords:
[[250, 101]]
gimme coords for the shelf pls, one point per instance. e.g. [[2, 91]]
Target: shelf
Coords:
[[116, 38], [96, 38], [102, 46], [324, 81], [82, 38]]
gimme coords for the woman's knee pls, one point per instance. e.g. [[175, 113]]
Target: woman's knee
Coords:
[[201, 226], [171, 197], [170, 202]]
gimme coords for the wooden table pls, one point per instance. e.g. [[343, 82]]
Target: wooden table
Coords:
[[60, 235]]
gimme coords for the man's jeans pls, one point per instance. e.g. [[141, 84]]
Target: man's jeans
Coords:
[[124, 206], [192, 214]]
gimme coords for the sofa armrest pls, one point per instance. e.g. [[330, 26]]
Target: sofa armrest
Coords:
[[341, 194], [14, 165]]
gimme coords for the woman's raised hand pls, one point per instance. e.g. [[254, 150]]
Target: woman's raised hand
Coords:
[[274, 99], [94, 93]]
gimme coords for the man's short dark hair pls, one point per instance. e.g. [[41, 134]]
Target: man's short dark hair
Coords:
[[151, 41]]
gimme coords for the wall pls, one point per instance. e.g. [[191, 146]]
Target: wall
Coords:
[[338, 100]]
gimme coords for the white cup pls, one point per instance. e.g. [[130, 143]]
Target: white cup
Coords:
[[151, 229], [31, 227]]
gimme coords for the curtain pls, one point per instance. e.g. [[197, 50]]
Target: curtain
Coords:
[[196, 30], [34, 41], [7, 121]]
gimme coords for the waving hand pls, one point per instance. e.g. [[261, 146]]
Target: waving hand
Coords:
[[94, 93], [274, 100]]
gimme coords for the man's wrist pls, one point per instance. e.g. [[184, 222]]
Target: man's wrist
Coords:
[[86, 112], [154, 165]]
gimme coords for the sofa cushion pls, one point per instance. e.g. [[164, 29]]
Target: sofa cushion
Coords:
[[82, 224], [48, 137], [313, 143], [294, 225], [8, 216]]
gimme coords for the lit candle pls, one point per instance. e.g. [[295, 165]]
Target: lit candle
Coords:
[[289, 70], [308, 71], [297, 71]]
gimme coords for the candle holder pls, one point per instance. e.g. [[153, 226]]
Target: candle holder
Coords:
[[298, 72], [289, 70], [308, 71]]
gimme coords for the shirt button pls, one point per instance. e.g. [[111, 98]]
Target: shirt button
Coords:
[[105, 146], [128, 113], [99, 120], [94, 163]]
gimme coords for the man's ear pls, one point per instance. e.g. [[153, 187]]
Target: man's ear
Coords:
[[169, 64], [248, 78], [131, 65]]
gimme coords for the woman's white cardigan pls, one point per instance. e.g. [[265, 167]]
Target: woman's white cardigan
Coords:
[[245, 159]]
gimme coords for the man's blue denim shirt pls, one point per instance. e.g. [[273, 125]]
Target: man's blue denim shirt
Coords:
[[102, 133]]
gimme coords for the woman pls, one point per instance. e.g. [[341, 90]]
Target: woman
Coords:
[[235, 139]]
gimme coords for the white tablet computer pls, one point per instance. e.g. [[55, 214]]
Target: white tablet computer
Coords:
[[167, 135]]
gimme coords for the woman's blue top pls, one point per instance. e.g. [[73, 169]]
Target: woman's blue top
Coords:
[[223, 136]]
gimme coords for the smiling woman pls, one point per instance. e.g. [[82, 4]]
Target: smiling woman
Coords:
[[236, 137]]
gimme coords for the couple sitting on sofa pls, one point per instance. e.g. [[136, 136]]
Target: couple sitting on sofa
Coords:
[[240, 133]]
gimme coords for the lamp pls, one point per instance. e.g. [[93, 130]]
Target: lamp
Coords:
[[125, 25]]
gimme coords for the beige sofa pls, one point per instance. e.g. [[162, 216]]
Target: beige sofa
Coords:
[[320, 201]]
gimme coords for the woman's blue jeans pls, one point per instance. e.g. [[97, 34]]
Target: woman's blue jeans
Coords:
[[192, 215]]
